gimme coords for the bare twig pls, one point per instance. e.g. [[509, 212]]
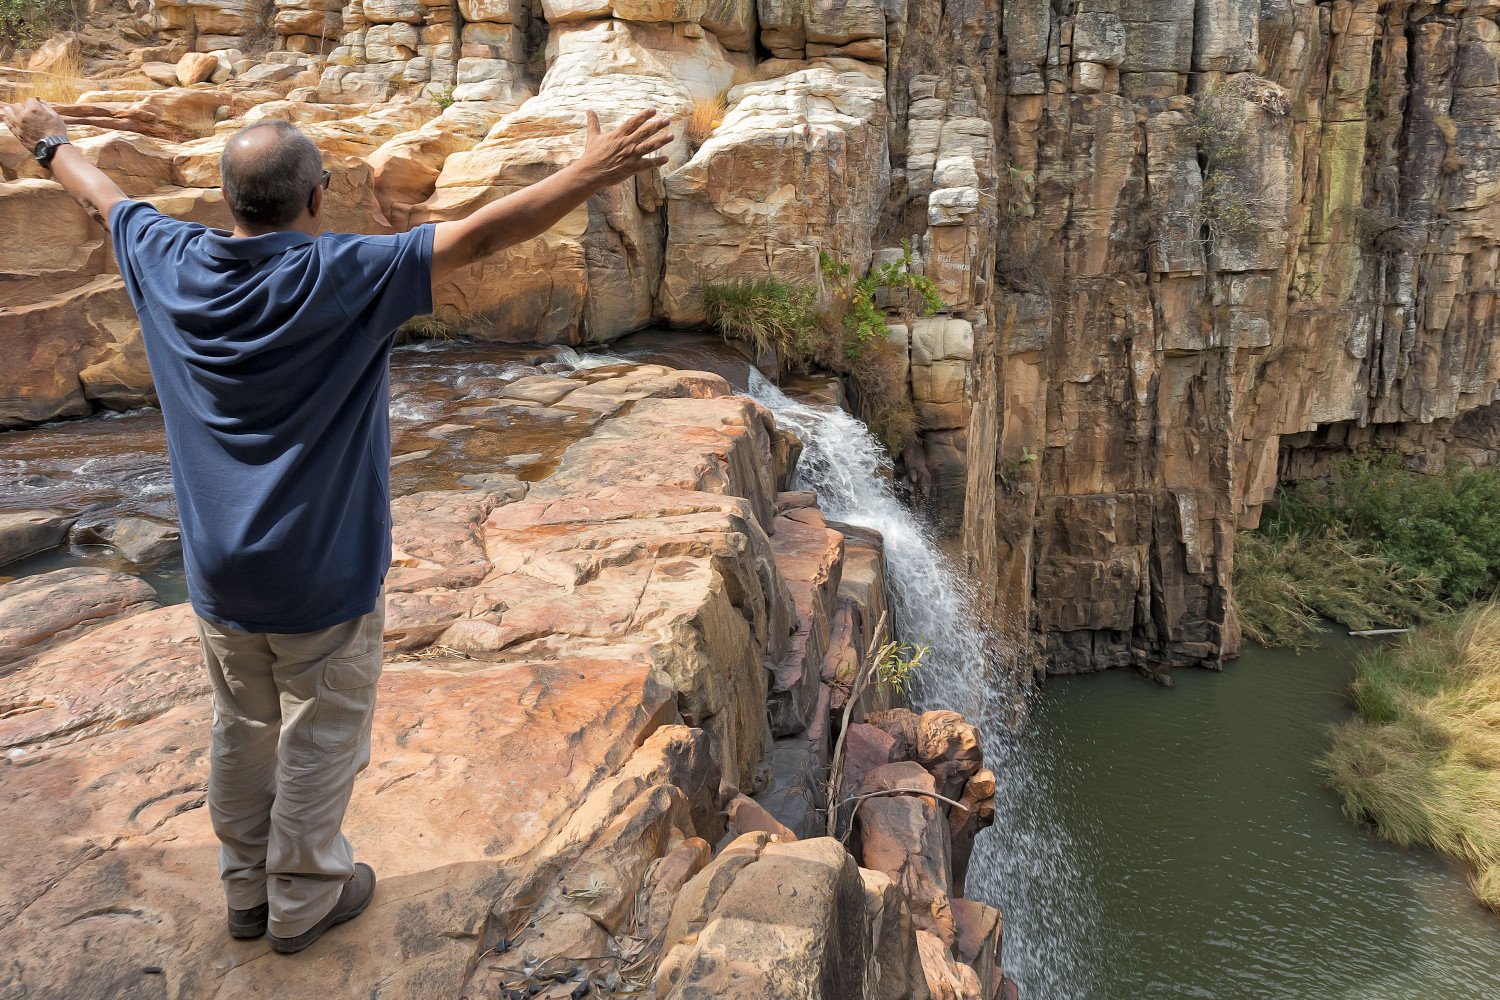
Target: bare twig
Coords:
[[856, 690]]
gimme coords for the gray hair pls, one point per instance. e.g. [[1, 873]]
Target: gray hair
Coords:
[[269, 178]]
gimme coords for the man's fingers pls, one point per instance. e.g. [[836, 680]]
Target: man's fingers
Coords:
[[654, 143], [591, 122], [629, 127], [653, 161], [652, 127]]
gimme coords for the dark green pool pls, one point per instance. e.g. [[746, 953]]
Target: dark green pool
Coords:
[[1155, 843]]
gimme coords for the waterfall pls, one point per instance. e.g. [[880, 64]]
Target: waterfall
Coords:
[[964, 669]]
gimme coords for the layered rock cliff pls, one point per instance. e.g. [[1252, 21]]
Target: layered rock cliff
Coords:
[[1182, 246]]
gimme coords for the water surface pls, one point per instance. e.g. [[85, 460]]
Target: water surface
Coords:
[[1154, 843]]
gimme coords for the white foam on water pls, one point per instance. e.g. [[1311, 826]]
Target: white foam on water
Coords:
[[842, 462]]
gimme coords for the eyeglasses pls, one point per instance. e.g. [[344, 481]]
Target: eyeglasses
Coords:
[[322, 183]]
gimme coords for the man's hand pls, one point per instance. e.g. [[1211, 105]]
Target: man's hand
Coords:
[[32, 121], [613, 156], [607, 158]]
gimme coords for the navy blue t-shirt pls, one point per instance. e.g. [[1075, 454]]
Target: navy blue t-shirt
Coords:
[[271, 359]]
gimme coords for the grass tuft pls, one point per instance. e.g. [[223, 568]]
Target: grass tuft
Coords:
[[845, 334], [59, 84], [1285, 585], [1421, 764], [768, 313], [706, 115]]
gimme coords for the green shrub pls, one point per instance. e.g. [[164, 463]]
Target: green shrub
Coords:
[[768, 313], [1422, 762], [1445, 526], [846, 335]]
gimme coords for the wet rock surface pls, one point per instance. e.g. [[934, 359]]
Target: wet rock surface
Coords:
[[575, 707]]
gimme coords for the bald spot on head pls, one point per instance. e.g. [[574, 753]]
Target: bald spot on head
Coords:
[[269, 170]]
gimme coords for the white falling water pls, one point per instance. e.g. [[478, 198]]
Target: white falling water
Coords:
[[849, 471]]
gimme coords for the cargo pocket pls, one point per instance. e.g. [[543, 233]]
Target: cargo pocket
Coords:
[[346, 697]]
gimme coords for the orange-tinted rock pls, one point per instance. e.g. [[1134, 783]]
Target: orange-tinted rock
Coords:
[[196, 67], [866, 748], [27, 532], [949, 747], [747, 816], [978, 942], [965, 821], [769, 921], [36, 612], [906, 837]]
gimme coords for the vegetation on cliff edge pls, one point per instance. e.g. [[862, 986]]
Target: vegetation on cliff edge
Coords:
[[1374, 545], [844, 333], [1421, 763]]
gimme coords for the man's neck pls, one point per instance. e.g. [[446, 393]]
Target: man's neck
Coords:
[[306, 225]]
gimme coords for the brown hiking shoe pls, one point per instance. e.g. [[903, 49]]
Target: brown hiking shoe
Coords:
[[358, 892], [247, 924]]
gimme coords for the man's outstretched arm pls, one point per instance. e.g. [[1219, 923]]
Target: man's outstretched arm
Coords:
[[608, 158], [90, 187]]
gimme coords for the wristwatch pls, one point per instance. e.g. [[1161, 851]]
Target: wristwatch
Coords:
[[46, 148]]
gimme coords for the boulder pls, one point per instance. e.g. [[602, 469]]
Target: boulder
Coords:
[[59, 53], [769, 920], [978, 941], [37, 612], [797, 168], [949, 747], [196, 67], [906, 837], [747, 816], [26, 532], [866, 748], [140, 540]]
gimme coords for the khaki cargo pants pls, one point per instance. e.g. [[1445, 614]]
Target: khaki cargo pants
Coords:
[[292, 720]]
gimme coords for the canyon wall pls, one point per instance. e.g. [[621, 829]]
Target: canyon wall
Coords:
[[1177, 243], [1224, 226]]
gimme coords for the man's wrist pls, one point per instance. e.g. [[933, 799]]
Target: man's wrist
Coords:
[[586, 175], [45, 149]]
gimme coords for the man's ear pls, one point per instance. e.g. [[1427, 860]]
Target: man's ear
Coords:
[[315, 204]]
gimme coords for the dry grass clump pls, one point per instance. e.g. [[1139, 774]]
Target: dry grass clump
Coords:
[[706, 115], [1286, 584], [1422, 762], [306, 78], [59, 84]]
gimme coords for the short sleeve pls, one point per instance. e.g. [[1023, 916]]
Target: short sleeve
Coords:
[[140, 234], [382, 281]]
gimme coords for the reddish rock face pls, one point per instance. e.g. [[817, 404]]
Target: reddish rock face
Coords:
[[534, 791], [865, 749], [39, 611], [906, 837]]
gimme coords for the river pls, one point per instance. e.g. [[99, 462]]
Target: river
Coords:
[[1149, 843], [1153, 843]]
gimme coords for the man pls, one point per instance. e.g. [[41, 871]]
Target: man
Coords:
[[269, 348]]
